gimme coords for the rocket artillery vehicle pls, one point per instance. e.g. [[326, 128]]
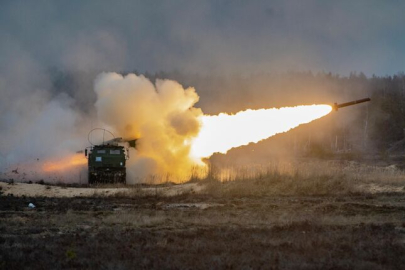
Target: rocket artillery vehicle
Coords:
[[336, 106], [106, 161]]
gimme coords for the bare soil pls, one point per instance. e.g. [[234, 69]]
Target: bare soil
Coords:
[[58, 191], [200, 231]]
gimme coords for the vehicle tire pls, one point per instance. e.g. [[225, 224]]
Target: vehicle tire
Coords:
[[91, 179]]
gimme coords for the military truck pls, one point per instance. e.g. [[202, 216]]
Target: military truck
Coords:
[[106, 161], [106, 164]]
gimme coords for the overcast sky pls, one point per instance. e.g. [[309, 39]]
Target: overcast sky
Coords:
[[206, 36]]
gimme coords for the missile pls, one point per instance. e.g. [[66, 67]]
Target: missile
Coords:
[[354, 102]]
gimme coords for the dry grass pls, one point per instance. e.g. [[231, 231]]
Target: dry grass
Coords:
[[314, 168], [286, 178], [285, 215], [303, 178], [280, 232], [276, 184]]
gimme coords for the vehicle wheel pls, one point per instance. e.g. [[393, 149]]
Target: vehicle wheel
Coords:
[[91, 179]]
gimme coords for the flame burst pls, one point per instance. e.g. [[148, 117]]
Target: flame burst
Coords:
[[220, 133], [65, 163]]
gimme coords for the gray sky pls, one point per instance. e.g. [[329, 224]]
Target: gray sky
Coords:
[[205, 36]]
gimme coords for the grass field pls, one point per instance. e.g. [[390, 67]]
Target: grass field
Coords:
[[313, 215]]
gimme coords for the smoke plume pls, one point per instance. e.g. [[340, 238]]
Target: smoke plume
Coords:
[[160, 116]]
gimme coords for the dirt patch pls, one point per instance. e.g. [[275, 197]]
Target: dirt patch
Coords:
[[380, 188], [54, 191], [191, 206]]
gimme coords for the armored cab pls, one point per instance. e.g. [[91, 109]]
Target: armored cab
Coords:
[[107, 164]]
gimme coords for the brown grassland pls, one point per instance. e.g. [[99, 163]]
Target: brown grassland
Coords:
[[303, 215]]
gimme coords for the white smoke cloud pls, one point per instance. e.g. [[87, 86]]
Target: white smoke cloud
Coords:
[[160, 116], [45, 130], [35, 124]]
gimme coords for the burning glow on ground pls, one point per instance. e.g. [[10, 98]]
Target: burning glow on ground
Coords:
[[220, 133], [64, 163]]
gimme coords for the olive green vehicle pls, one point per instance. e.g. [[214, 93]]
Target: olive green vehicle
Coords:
[[106, 161], [106, 164]]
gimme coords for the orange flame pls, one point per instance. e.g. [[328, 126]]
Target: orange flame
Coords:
[[220, 133], [64, 163]]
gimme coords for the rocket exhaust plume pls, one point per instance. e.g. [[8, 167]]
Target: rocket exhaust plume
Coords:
[[173, 135], [220, 133], [65, 163]]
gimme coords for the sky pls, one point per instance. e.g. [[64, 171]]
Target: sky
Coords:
[[205, 36]]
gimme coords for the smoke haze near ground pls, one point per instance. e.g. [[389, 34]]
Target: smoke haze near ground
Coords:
[[35, 124]]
